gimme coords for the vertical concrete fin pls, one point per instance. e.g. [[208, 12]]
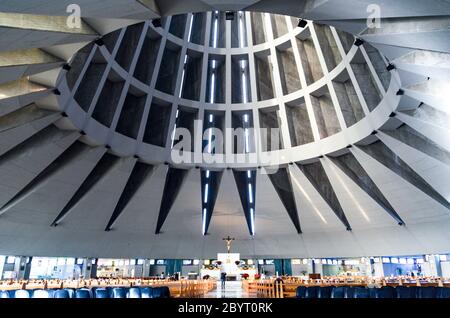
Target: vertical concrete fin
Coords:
[[174, 181], [136, 179], [380, 152], [68, 155], [246, 182], [281, 181], [211, 179], [316, 174], [103, 166], [353, 169]]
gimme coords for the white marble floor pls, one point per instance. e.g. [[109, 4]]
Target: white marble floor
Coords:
[[231, 290]]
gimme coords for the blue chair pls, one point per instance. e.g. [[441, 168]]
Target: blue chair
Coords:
[[22, 293], [71, 292], [426, 292], [442, 292], [406, 292], [83, 293], [300, 292], [4, 294], [373, 292], [338, 292], [385, 292], [41, 293], [165, 291], [360, 292], [61, 293], [119, 292], [93, 289], [349, 292], [146, 292], [101, 293], [325, 292], [311, 292], [134, 292], [161, 292]]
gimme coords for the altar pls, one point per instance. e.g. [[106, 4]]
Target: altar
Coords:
[[231, 264]]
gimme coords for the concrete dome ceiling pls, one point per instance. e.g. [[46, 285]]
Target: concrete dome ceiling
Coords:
[[86, 152]]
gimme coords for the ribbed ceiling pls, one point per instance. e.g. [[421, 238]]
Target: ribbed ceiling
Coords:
[[86, 129]]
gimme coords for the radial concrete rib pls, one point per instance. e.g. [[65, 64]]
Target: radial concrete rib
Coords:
[[137, 177], [125, 9], [22, 116], [318, 177], [414, 32], [242, 182], [13, 103], [17, 64], [18, 88], [427, 63], [380, 152], [60, 162], [429, 115], [174, 181], [353, 169], [212, 179], [24, 31], [13, 137], [46, 135], [281, 181], [416, 140], [103, 166]]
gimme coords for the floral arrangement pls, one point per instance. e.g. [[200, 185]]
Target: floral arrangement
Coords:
[[211, 267], [257, 276], [245, 276]]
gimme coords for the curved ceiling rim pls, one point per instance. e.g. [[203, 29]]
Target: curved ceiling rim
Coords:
[[326, 146], [146, 153], [328, 76]]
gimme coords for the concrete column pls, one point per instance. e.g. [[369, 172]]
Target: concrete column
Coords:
[[88, 270], [19, 267], [146, 268], [379, 272], [310, 268], [438, 267], [2, 263], [93, 266], [28, 268]]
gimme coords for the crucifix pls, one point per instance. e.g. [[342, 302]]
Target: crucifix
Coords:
[[229, 240]]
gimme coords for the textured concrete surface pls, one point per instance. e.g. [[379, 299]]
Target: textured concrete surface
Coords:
[[193, 77], [329, 46], [178, 25], [288, 71], [157, 125], [349, 102], [273, 140], [279, 26], [299, 125], [131, 115], [89, 84], [263, 69], [147, 59], [325, 114], [366, 82], [258, 32], [128, 45], [167, 75], [379, 65], [310, 60]]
